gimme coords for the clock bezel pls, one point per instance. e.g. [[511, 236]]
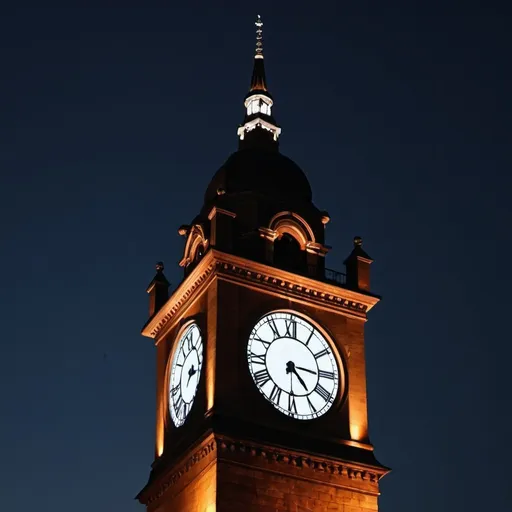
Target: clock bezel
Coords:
[[168, 373], [339, 359]]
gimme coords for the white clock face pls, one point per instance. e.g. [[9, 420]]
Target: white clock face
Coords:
[[293, 365], [185, 372]]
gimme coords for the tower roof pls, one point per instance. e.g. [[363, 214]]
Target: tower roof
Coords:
[[259, 128], [266, 173], [257, 168], [258, 79]]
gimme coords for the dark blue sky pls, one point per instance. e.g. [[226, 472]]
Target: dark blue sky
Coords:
[[113, 120]]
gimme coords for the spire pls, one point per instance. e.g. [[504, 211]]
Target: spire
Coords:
[[259, 128], [259, 38], [258, 80]]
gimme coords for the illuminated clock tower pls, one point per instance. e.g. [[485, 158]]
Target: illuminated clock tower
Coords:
[[261, 380]]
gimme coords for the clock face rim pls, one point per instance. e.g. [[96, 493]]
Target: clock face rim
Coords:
[[173, 376], [336, 395]]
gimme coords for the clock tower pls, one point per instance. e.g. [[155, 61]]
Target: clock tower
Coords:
[[261, 381]]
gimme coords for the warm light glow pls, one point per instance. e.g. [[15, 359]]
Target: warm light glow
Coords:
[[160, 429], [355, 432], [294, 225], [195, 238], [210, 390], [159, 446]]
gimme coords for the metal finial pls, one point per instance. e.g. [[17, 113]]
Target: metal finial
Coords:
[[259, 38], [358, 241], [159, 266]]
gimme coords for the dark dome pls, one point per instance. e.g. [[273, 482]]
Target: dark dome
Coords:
[[260, 171]]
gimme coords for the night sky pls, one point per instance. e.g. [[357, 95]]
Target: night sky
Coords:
[[114, 119]]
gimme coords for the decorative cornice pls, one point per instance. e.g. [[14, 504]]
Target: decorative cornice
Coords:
[[172, 479], [315, 463], [301, 287], [188, 288], [228, 449], [261, 276]]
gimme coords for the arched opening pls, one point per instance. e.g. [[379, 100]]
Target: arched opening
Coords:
[[288, 254]]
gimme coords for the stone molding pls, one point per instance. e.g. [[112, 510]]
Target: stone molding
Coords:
[[312, 293], [172, 479], [264, 277], [177, 301], [344, 471], [286, 457], [196, 236]]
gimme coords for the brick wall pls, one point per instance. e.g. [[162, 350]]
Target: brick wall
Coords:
[[244, 489], [199, 495]]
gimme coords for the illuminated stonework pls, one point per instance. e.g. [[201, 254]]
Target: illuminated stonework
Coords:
[[217, 449], [217, 264], [277, 417]]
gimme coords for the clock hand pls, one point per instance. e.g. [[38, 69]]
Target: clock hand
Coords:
[[300, 379], [191, 372], [305, 370], [290, 368]]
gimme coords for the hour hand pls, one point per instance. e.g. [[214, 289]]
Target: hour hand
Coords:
[[290, 368], [191, 372], [305, 370]]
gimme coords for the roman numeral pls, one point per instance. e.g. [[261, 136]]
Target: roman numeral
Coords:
[[274, 328], [261, 377], [275, 395], [266, 343], [322, 392], [189, 342], [291, 328], [311, 406], [175, 390], [179, 406], [310, 336], [323, 352], [256, 359], [292, 406], [326, 375]]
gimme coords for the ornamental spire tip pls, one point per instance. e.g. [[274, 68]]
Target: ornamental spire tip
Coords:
[[259, 38]]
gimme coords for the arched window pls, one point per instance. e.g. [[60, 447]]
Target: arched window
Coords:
[[288, 254]]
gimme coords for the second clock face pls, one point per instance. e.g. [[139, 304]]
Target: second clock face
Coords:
[[186, 367], [293, 365]]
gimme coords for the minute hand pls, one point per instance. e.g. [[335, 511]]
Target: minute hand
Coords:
[[305, 370], [300, 379]]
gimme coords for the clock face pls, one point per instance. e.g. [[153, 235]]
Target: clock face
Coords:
[[293, 365], [185, 372]]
